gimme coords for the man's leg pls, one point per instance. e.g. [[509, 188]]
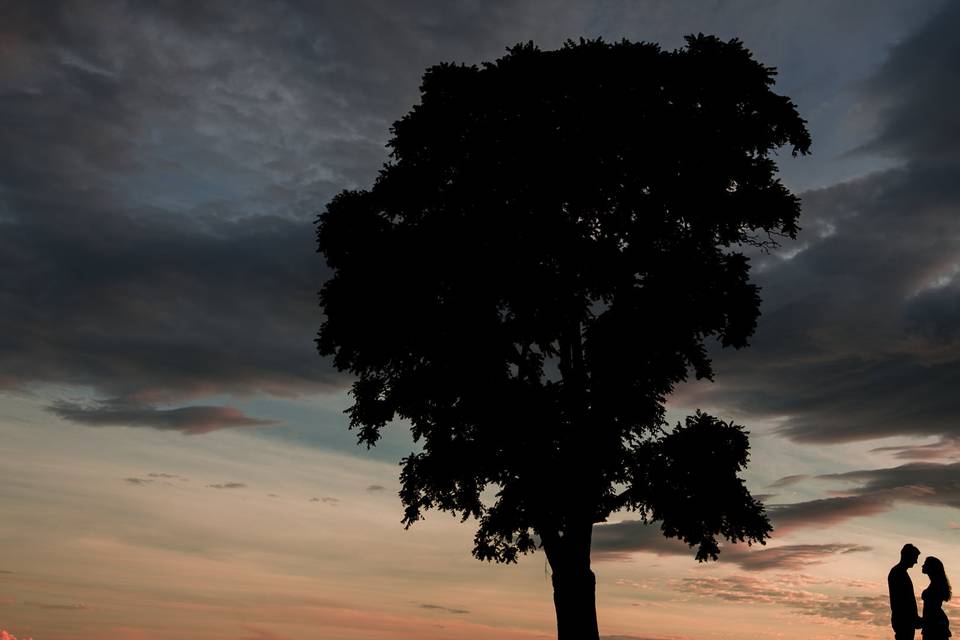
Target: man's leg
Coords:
[[904, 634]]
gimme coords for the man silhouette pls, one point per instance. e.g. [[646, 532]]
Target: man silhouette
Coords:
[[903, 602]]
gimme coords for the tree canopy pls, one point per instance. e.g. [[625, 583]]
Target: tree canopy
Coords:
[[554, 240]]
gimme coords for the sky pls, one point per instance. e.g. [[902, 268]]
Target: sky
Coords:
[[176, 458]]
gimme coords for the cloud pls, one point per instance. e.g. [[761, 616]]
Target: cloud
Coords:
[[188, 420], [165, 309], [56, 606], [152, 477], [260, 634], [787, 481], [826, 512], [157, 193], [859, 335], [871, 492], [373, 488], [794, 556], [327, 500], [857, 608], [943, 449], [867, 493], [228, 485], [6, 635], [926, 483], [156, 199], [437, 607], [617, 541], [917, 66]]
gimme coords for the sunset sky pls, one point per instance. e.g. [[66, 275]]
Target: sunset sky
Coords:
[[176, 459]]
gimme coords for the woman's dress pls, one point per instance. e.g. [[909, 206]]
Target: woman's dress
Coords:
[[935, 623]]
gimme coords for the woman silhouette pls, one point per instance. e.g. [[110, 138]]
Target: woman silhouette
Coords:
[[935, 623]]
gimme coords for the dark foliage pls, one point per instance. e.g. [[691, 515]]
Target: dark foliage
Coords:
[[539, 264]]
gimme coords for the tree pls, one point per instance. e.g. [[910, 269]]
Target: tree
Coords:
[[539, 263]]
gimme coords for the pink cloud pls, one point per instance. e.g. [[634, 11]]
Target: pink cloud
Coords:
[[835, 510], [850, 607], [793, 556], [944, 449], [6, 635], [827, 511]]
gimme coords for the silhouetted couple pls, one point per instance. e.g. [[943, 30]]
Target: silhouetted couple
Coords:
[[903, 603]]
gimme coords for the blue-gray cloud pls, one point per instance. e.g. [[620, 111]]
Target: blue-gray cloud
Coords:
[[617, 541], [859, 336], [189, 420], [157, 190]]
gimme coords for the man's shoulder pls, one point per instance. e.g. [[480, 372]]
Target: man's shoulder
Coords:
[[896, 572]]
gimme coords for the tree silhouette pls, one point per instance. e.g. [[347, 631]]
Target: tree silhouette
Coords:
[[553, 240]]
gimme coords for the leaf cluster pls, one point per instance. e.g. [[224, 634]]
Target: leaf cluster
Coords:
[[689, 483], [541, 261]]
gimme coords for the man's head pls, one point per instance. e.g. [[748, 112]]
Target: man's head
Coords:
[[909, 555]]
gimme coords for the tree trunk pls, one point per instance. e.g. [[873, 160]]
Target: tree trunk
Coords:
[[575, 602], [574, 586]]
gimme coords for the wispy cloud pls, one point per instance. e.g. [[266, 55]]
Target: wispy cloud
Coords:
[[826, 512], [943, 449], [787, 481], [174, 257], [56, 606], [437, 607], [156, 477], [618, 541], [860, 333], [871, 492], [743, 589], [791, 556], [928, 483], [188, 420], [228, 485]]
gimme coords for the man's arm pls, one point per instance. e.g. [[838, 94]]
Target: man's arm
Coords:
[[903, 602]]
